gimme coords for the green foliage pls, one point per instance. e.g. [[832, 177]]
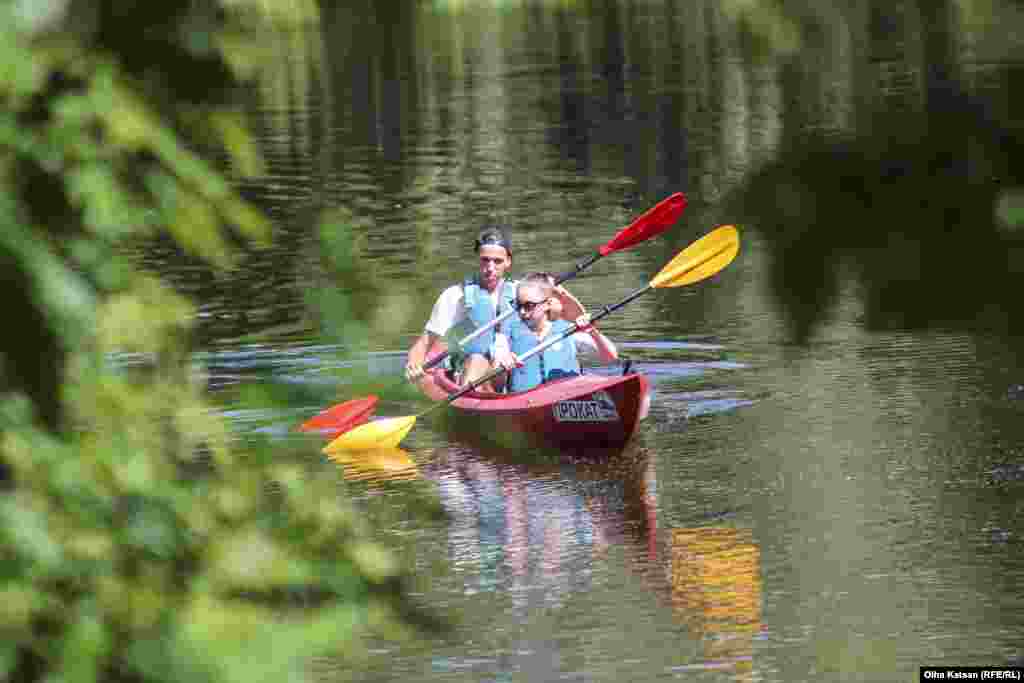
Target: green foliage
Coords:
[[111, 548], [772, 29], [334, 300], [139, 543], [1010, 210]]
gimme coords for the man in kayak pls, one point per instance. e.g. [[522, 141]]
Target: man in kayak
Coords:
[[544, 311], [464, 307]]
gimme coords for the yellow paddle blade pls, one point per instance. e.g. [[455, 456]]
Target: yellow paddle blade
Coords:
[[700, 260], [387, 433], [382, 464]]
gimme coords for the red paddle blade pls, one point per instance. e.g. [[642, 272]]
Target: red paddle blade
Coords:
[[342, 417], [654, 221]]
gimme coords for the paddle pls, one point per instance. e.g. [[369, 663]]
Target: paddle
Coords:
[[653, 222], [700, 260]]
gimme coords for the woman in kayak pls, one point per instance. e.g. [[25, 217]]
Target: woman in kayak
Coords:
[[543, 311]]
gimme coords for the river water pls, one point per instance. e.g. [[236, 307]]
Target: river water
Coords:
[[827, 487]]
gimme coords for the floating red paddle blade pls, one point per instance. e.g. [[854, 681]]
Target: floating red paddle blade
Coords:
[[342, 417]]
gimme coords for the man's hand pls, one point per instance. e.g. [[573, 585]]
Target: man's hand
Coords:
[[425, 343]]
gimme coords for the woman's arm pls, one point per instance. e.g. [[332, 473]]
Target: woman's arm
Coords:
[[502, 356], [606, 350]]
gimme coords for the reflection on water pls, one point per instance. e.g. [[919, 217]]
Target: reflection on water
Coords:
[[716, 590], [538, 529], [534, 541], [376, 466], [879, 473]]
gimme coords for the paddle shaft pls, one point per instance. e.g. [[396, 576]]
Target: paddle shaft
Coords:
[[562, 277]]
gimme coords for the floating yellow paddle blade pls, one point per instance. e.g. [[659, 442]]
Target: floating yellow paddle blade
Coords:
[[386, 433], [700, 260]]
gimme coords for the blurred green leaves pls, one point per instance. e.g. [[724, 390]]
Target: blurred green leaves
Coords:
[[344, 315], [139, 543], [772, 29], [1010, 210]]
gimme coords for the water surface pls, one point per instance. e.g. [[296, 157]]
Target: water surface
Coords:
[[826, 500]]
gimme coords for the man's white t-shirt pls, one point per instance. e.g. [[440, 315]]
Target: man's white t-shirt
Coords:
[[450, 309]]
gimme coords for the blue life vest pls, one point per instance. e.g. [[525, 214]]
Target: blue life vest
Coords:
[[558, 360], [480, 311]]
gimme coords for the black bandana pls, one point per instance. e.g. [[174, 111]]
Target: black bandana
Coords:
[[494, 237]]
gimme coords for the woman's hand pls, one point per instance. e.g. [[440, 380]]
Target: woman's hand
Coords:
[[571, 308], [507, 360], [414, 372], [583, 324]]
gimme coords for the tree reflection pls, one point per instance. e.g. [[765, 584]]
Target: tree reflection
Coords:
[[906, 201], [868, 143]]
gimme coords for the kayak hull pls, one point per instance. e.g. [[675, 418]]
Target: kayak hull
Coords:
[[574, 413]]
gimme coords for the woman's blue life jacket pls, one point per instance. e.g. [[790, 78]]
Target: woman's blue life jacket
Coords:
[[558, 360], [479, 311]]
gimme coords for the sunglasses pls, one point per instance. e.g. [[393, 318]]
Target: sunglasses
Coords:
[[528, 306]]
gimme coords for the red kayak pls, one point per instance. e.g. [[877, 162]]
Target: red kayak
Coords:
[[585, 411]]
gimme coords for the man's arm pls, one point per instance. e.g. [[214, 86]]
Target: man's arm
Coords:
[[426, 345], [446, 313]]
